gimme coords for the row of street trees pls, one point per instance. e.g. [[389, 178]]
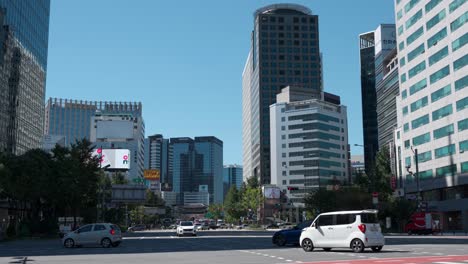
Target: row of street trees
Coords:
[[39, 187]]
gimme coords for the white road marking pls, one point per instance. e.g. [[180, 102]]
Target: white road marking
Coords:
[[280, 258]]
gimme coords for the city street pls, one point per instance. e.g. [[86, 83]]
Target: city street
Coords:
[[233, 247]]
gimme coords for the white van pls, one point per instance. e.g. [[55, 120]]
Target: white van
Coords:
[[345, 229]]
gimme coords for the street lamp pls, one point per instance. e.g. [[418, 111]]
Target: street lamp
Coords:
[[416, 161]]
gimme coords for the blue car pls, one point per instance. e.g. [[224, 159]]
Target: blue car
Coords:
[[290, 236]]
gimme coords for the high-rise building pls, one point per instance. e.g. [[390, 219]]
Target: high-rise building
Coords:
[[23, 65], [374, 47], [284, 51], [157, 157], [121, 127], [433, 105], [309, 143], [196, 166], [232, 176]]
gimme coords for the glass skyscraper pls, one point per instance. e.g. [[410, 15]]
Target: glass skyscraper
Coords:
[[23, 64], [284, 51], [232, 176], [196, 165]]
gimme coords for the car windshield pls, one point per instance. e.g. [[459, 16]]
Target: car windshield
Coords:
[[186, 224], [115, 227], [369, 218]]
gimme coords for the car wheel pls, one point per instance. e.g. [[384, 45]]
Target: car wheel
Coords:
[[376, 249], [326, 249], [116, 244], [106, 243], [280, 240], [69, 243], [357, 245], [307, 245]]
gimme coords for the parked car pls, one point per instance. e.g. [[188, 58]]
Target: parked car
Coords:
[[198, 226], [136, 228], [291, 235], [344, 229], [104, 234], [186, 228], [272, 226]]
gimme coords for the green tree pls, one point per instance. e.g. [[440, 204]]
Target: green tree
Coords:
[[383, 174], [215, 211], [153, 200], [233, 206], [252, 182], [119, 178], [322, 201], [252, 199]]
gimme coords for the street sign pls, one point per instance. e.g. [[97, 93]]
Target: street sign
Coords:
[[375, 194], [375, 200]]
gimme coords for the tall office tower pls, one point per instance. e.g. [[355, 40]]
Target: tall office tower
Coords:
[[156, 157], [284, 51], [232, 176], [23, 65], [196, 166], [433, 105], [309, 142], [121, 126], [374, 47]]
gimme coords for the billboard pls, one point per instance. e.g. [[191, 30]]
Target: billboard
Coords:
[[152, 175], [271, 192], [385, 38], [203, 188], [113, 158]]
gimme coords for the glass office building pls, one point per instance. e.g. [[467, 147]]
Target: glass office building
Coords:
[[232, 176], [23, 65], [196, 166], [284, 51]]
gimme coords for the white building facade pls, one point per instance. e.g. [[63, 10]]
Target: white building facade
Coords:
[[309, 143], [433, 104]]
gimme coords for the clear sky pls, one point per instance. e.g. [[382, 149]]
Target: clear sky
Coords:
[[184, 59]]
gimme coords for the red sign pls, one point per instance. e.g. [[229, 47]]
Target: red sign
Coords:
[[393, 182], [375, 194]]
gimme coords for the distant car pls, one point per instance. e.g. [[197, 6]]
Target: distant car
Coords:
[[136, 228], [198, 226], [272, 226], [205, 226], [104, 234], [290, 236], [186, 228], [242, 226]]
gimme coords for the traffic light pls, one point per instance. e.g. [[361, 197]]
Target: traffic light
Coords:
[[290, 188]]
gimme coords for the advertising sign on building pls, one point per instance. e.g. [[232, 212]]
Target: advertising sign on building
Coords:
[[113, 158], [203, 188], [152, 175], [271, 192]]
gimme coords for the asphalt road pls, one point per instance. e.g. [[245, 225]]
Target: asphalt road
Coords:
[[233, 247]]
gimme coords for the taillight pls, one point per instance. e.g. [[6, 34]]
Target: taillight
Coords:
[[362, 227], [112, 231]]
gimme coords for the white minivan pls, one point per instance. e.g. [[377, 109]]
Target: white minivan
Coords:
[[345, 229]]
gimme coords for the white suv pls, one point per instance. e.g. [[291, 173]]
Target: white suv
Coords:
[[346, 229], [186, 228]]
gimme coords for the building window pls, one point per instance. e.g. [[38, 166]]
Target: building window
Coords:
[[421, 121], [285, 182], [444, 151], [418, 86], [405, 110], [460, 42], [403, 77], [421, 139], [446, 171], [283, 128], [455, 4], [283, 136], [402, 62], [406, 127], [433, 3], [283, 155], [460, 63], [435, 20], [283, 119], [404, 94], [400, 30], [425, 156], [438, 55], [436, 38], [417, 69], [463, 146], [284, 173], [443, 131], [414, 36], [407, 144], [464, 167], [415, 18], [462, 104], [461, 83], [460, 21], [442, 112], [463, 124], [416, 52], [283, 145], [401, 46], [419, 104], [440, 74], [441, 93], [408, 161]]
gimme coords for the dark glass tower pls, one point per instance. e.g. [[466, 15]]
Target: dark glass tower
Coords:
[[24, 34], [284, 51]]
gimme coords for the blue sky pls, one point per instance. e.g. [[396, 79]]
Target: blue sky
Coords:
[[184, 59]]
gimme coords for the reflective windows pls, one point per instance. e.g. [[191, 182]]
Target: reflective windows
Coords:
[[460, 42], [404, 94], [446, 171], [435, 20], [406, 127], [418, 86], [460, 63], [460, 21], [444, 151], [462, 125], [433, 3], [415, 18], [436, 76], [441, 93], [442, 112], [421, 121], [455, 4], [461, 83], [416, 52], [414, 36], [436, 38], [417, 69], [419, 104], [444, 131], [421, 139], [462, 104], [438, 55], [463, 145], [423, 157], [410, 5]]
